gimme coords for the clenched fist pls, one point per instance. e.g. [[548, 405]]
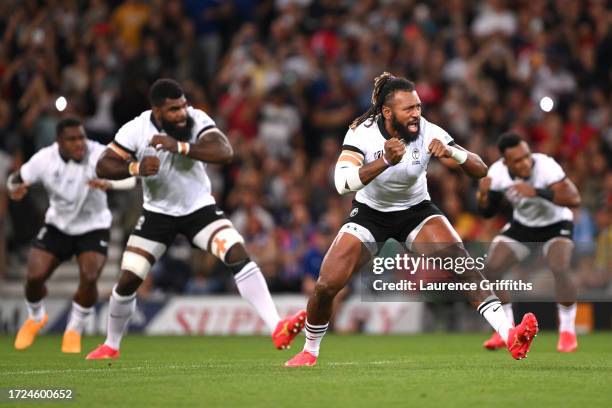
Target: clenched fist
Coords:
[[439, 149], [162, 142], [100, 184], [394, 151], [148, 166], [18, 192]]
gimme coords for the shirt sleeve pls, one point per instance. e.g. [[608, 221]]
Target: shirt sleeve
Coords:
[[553, 173], [438, 133], [127, 138], [96, 149], [354, 142], [496, 178], [202, 122], [33, 169]]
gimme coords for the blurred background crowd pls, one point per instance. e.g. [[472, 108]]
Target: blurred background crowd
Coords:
[[284, 79]]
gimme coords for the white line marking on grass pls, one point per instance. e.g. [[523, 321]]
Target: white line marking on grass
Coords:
[[103, 369], [367, 363]]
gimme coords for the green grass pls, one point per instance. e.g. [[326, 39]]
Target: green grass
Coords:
[[437, 370]]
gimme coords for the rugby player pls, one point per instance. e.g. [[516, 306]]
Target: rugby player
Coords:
[[77, 222], [384, 159], [177, 199], [541, 196]]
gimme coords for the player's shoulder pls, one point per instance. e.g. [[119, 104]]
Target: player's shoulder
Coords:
[[362, 136], [542, 159], [198, 113], [139, 121], [94, 144], [497, 169], [192, 110], [95, 147], [430, 130], [47, 152]]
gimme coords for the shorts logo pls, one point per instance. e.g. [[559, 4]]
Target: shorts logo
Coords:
[[218, 212], [41, 233], [103, 243], [564, 232], [141, 221], [354, 212]]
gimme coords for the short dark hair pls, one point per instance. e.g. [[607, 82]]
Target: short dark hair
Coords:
[[66, 122], [162, 89], [507, 140]]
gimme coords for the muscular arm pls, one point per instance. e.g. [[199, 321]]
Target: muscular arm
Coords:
[[565, 193], [113, 165], [211, 147], [473, 166], [352, 175]]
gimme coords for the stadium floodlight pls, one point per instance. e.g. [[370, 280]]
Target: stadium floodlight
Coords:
[[547, 104], [61, 103]]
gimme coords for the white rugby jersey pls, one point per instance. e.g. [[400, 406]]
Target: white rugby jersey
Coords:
[[401, 186], [535, 211], [74, 207], [182, 185]]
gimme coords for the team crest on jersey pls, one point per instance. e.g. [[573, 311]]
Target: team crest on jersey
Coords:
[[416, 155], [354, 212]]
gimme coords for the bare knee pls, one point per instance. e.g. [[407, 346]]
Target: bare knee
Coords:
[[89, 277], [36, 278], [327, 290], [128, 283]]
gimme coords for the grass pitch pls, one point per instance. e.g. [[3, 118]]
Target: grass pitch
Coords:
[[437, 370]]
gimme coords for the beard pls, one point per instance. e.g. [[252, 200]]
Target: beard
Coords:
[[177, 132], [405, 134]]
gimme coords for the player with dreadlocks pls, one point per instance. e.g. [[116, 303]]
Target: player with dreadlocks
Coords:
[[384, 159]]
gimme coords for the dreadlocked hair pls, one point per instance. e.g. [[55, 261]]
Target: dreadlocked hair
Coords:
[[385, 86]]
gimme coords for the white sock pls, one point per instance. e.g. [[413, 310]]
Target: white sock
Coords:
[[567, 318], [120, 310], [78, 317], [509, 312], [491, 309], [253, 287], [36, 310], [314, 335]]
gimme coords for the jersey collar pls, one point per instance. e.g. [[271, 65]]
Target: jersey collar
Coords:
[[68, 159], [155, 123], [515, 177]]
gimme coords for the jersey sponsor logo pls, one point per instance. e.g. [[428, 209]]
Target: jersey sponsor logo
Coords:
[[141, 221], [354, 212], [416, 155]]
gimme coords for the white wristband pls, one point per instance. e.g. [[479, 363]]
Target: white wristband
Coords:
[[460, 156], [134, 168], [183, 148], [386, 162]]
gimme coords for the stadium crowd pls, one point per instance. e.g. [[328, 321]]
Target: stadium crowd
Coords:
[[284, 79]]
